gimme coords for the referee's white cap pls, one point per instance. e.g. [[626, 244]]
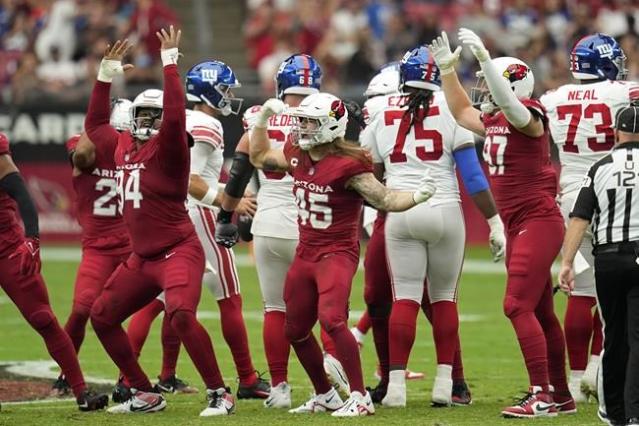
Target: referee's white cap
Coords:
[[628, 119]]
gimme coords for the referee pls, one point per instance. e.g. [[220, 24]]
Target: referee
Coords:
[[609, 199]]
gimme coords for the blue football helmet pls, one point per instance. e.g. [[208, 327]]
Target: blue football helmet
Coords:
[[298, 75], [211, 82], [598, 56], [418, 69]]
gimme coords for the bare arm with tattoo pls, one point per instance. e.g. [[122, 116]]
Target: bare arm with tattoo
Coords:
[[380, 197]]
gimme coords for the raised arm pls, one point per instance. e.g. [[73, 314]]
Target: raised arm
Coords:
[[261, 154], [84, 153], [382, 198], [503, 96], [96, 122], [456, 97]]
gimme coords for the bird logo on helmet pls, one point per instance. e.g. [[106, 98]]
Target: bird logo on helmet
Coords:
[[516, 72], [298, 75], [417, 69], [146, 114], [321, 118], [212, 82], [598, 57]]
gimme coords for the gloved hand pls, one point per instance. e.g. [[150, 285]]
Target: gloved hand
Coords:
[[426, 189], [497, 238], [28, 254], [472, 40], [444, 58], [270, 108], [226, 234]]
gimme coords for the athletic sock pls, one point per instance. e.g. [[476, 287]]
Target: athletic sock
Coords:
[[276, 346], [234, 331]]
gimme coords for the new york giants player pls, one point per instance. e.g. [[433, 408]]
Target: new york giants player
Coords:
[[331, 179], [414, 132], [581, 124], [274, 226], [153, 164], [525, 185], [20, 277]]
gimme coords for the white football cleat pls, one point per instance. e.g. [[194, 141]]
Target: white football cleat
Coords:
[[336, 375], [395, 395], [357, 405], [279, 397], [140, 402], [329, 401], [221, 403]]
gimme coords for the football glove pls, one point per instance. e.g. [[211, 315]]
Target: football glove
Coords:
[[28, 254], [472, 40], [226, 234], [444, 58], [426, 189], [270, 108], [497, 239]]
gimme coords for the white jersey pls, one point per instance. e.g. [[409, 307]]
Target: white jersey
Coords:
[[276, 214], [581, 118], [207, 131], [430, 144]]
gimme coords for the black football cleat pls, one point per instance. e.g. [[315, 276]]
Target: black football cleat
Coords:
[[60, 387], [377, 393], [121, 392], [461, 394], [91, 401], [258, 390], [174, 385]]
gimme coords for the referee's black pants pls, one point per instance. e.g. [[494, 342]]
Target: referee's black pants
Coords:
[[617, 282]]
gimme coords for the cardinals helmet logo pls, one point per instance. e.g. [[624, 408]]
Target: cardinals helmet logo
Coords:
[[516, 72], [337, 109]]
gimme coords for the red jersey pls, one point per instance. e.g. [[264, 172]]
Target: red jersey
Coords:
[[11, 233], [328, 212], [153, 177], [96, 204], [522, 178]]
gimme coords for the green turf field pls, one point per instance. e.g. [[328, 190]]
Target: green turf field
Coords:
[[493, 364]]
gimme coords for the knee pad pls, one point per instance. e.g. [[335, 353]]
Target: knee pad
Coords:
[[181, 320], [295, 333], [41, 319], [330, 321], [379, 310], [100, 316], [512, 306], [81, 310]]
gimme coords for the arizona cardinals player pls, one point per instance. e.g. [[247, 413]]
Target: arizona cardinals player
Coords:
[[524, 184], [275, 224], [153, 164], [581, 124], [414, 132], [20, 276], [331, 179]]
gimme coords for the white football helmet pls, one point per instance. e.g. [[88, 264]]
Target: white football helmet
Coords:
[[516, 72], [384, 83], [328, 115], [149, 103], [120, 115]]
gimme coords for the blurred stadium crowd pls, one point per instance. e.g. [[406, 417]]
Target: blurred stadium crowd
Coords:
[[52, 47]]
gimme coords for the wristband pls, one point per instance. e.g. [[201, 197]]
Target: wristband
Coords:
[[108, 69], [169, 56], [224, 216], [209, 197]]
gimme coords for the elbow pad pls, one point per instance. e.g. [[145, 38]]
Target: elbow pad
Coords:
[[471, 173], [239, 176]]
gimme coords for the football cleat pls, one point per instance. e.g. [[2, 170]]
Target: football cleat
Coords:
[[174, 385], [564, 404], [258, 390], [442, 392], [121, 392], [395, 396], [461, 394], [91, 401], [355, 406], [377, 393], [574, 386], [140, 402], [60, 387], [329, 401], [536, 403], [279, 397], [221, 403], [336, 375]]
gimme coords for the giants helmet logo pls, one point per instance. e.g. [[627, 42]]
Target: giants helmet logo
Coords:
[[516, 72], [337, 109]]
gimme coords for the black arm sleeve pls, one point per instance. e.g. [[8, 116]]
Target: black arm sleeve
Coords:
[[239, 176], [586, 202], [13, 185]]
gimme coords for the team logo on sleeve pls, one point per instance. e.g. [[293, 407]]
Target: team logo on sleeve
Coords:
[[516, 72]]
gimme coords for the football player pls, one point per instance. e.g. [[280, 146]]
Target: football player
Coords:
[[20, 277], [331, 179], [524, 184], [581, 124], [153, 175], [274, 228], [413, 132]]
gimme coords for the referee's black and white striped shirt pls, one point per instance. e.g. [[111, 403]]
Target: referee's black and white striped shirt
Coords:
[[609, 197]]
